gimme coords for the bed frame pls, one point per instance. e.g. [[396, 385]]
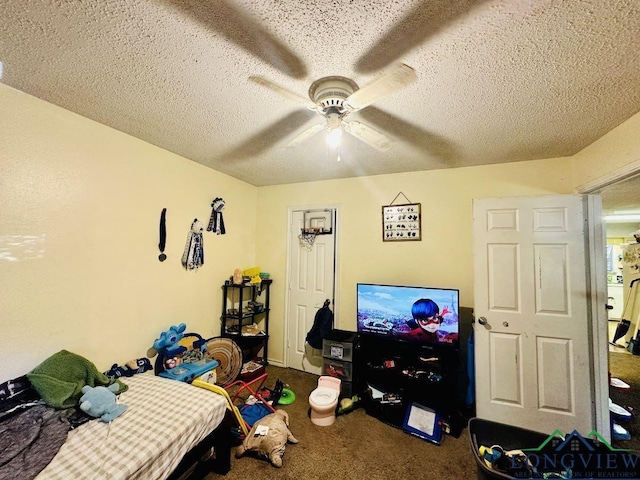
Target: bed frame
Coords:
[[211, 455]]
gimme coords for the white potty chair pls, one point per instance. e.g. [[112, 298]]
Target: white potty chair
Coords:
[[323, 401]]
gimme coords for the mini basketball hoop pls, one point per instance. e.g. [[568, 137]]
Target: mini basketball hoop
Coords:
[[307, 237], [314, 223]]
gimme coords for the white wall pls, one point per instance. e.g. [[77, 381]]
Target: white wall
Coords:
[[80, 207]]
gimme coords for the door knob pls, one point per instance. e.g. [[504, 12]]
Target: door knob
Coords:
[[482, 321]]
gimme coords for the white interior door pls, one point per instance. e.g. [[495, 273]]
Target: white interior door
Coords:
[[311, 282], [540, 313]]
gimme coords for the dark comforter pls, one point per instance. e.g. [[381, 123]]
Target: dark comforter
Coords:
[[31, 432]]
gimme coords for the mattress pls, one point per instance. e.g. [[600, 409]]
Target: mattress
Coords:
[[164, 419]]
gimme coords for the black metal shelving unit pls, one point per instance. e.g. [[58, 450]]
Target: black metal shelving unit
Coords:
[[243, 306]]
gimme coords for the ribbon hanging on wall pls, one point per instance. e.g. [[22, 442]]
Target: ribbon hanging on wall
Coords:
[[193, 256], [216, 222]]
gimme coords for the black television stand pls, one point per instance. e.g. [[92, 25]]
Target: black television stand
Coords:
[[394, 374]]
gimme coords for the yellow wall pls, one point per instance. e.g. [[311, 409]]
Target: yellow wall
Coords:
[[617, 149], [444, 256], [442, 259], [79, 211], [80, 207]]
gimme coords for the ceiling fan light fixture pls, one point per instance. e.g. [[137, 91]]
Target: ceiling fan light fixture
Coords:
[[333, 137], [330, 93], [335, 97], [334, 120]]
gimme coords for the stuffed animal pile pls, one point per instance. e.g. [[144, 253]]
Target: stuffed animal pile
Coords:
[[268, 438]]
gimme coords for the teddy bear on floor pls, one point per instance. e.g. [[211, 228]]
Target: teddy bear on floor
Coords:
[[268, 437]]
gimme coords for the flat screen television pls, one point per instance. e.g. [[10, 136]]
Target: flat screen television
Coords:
[[422, 315]]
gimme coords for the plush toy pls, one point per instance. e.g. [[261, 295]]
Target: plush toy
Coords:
[[268, 437], [348, 405], [100, 402], [129, 369], [237, 276], [167, 343]]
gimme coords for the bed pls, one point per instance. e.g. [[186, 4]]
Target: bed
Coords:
[[167, 426], [164, 420]]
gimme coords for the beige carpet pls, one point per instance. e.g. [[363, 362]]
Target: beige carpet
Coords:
[[358, 446]]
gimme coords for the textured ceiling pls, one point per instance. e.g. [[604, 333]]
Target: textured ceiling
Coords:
[[497, 80]]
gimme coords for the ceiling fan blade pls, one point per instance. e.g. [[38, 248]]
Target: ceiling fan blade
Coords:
[[391, 81], [305, 135], [431, 145], [283, 91], [268, 137], [424, 21], [239, 28], [368, 135]]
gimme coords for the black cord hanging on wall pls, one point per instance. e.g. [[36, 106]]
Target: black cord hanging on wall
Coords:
[[163, 235]]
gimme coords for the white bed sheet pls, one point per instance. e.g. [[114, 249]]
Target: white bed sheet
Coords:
[[163, 421]]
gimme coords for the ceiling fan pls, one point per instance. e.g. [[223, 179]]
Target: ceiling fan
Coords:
[[239, 27], [335, 97]]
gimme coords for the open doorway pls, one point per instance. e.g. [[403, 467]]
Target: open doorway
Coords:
[[621, 210], [622, 288], [620, 195]]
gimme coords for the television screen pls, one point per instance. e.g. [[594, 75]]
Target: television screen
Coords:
[[428, 316]]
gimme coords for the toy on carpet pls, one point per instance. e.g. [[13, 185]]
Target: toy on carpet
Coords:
[[129, 369], [272, 395], [279, 395], [100, 402], [287, 397], [347, 405], [268, 438]]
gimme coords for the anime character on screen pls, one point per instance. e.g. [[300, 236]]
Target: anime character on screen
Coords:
[[426, 322]]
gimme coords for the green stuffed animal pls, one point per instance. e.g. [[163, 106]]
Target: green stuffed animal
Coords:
[[100, 402], [348, 405]]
